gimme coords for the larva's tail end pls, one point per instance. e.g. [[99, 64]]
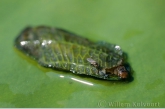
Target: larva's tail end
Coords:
[[20, 38]]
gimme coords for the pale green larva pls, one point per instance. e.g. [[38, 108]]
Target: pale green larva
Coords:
[[59, 49]]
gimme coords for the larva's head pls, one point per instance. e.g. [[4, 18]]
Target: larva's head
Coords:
[[115, 73], [122, 72]]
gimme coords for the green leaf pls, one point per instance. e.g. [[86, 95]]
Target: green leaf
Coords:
[[136, 25]]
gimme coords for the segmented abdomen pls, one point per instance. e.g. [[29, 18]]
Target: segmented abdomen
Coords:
[[71, 57]]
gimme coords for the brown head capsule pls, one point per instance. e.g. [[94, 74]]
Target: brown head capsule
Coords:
[[121, 72]]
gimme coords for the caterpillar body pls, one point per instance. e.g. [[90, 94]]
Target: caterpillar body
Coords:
[[60, 49]]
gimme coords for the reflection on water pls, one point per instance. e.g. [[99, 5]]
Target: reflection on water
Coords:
[[80, 81], [84, 82], [61, 76]]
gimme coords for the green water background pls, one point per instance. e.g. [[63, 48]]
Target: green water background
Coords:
[[138, 26]]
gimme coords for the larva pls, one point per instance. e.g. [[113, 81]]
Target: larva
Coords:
[[60, 49]]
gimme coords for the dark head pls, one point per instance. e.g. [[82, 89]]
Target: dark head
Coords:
[[122, 72]]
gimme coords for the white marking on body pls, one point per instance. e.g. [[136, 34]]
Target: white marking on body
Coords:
[[117, 47], [49, 42], [36, 42], [93, 62], [23, 42]]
